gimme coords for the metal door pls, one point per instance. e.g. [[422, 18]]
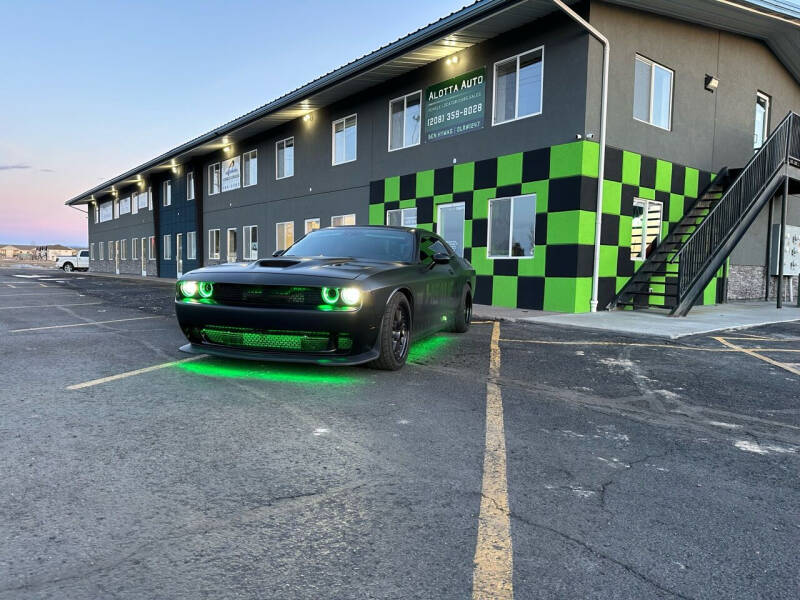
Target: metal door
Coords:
[[450, 226], [116, 257]]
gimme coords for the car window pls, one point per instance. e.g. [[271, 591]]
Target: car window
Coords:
[[355, 242], [85, 253], [430, 245]]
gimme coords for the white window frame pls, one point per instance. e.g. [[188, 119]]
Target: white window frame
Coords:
[[768, 100], [405, 108], [123, 249], [151, 247], [101, 255], [115, 209], [214, 168], [96, 211], [247, 234], [402, 212], [134, 248], [646, 202], [166, 193], [306, 230], [343, 217], [150, 198], [190, 191], [343, 120], [228, 245], [110, 250], [511, 229], [211, 254], [516, 91], [277, 241], [91, 251], [191, 245], [246, 157], [278, 143], [166, 242], [463, 228], [653, 64]]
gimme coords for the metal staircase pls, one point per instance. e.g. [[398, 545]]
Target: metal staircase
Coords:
[[678, 270]]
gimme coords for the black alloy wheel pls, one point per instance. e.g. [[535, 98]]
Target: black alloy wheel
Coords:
[[395, 335]]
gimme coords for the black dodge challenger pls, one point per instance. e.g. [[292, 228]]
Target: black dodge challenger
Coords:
[[339, 296]]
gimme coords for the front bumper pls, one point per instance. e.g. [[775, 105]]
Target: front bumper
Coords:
[[208, 327]]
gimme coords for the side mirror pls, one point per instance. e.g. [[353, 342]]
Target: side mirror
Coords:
[[441, 258], [278, 252]]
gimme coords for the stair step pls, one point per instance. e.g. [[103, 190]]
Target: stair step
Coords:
[[662, 294]]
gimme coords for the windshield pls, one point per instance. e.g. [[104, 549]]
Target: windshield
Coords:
[[373, 244]]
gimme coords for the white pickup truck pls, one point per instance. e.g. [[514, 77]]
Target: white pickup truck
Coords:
[[77, 262]]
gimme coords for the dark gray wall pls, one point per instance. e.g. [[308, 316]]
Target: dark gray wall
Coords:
[[319, 189], [709, 131]]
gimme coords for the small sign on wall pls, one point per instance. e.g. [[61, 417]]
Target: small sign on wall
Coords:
[[231, 174], [455, 106]]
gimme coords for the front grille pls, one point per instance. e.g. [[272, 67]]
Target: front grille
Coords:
[[277, 341], [267, 296]]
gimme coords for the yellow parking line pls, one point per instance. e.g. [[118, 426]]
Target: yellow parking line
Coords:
[[492, 576], [50, 305], [85, 384], [643, 345], [754, 354], [81, 324]]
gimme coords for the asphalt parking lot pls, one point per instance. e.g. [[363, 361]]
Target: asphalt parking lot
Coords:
[[536, 461]]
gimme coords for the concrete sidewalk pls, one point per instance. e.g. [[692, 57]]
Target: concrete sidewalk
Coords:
[[701, 319]]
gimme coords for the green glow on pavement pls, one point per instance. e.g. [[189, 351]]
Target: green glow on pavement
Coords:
[[429, 347], [292, 374]]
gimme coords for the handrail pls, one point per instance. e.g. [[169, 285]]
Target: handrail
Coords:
[[723, 218]]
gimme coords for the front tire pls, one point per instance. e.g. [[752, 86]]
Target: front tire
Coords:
[[395, 335], [67, 267], [463, 312]]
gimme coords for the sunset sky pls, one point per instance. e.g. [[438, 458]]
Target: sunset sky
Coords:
[[91, 89]]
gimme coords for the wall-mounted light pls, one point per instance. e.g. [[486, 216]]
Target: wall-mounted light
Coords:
[[228, 149], [307, 118], [452, 60], [712, 83]]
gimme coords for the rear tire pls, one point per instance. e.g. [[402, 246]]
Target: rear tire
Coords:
[[67, 267], [395, 335], [464, 312]]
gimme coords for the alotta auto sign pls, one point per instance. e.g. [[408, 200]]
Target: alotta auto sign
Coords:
[[455, 106]]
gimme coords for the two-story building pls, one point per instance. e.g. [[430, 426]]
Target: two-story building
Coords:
[[486, 126]]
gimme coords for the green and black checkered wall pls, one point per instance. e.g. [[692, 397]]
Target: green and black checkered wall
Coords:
[[564, 179]]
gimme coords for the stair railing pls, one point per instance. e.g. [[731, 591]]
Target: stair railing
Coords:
[[712, 232]]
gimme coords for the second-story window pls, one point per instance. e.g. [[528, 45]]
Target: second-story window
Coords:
[[652, 93], [166, 193], [190, 185], [762, 120], [250, 166], [518, 86], [284, 158], [344, 140], [404, 121], [214, 175]]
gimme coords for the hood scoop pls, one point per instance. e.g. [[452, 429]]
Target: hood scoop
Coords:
[[278, 263]]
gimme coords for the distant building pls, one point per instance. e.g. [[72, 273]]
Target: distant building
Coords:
[[15, 250], [57, 250]]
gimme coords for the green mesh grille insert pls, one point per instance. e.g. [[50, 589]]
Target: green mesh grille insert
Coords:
[[286, 341]]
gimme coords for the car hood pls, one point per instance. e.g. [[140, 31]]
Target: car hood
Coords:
[[331, 267]]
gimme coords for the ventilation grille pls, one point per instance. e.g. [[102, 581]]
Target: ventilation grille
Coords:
[[277, 341], [267, 296]]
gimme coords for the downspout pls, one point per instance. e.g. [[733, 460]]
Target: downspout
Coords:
[[601, 167]]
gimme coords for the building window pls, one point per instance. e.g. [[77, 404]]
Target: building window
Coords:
[[311, 225], [284, 235], [190, 185], [645, 227], [231, 256], [405, 116], [762, 120], [250, 160], [166, 192], [344, 140], [125, 206], [284, 158], [512, 227], [167, 247], [518, 86], [340, 220], [91, 251], [191, 246], [134, 248], [402, 217], [110, 250], [116, 209], [123, 249], [213, 243], [250, 248], [96, 212], [150, 198], [151, 252], [213, 179], [101, 246], [652, 93]]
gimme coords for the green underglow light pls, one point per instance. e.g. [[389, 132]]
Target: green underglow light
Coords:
[[429, 347], [206, 288], [330, 295], [189, 288], [199, 301], [292, 374], [330, 308]]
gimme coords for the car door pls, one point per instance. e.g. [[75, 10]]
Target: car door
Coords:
[[438, 283]]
